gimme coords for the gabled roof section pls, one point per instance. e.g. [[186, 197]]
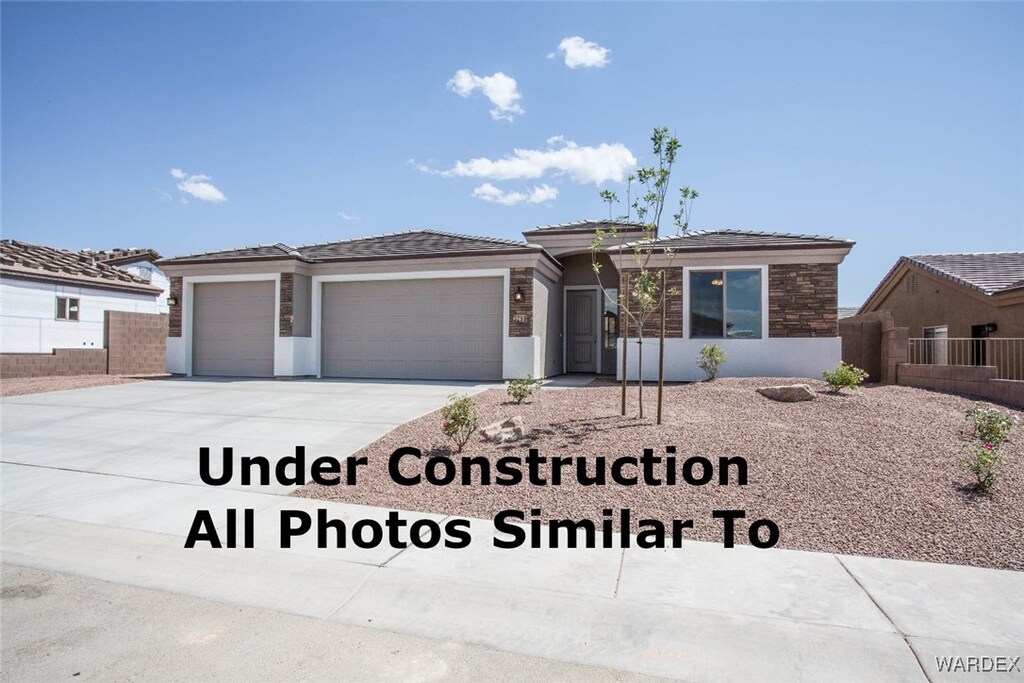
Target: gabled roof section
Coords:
[[411, 244], [989, 273], [116, 257], [38, 262], [259, 252], [585, 226], [743, 240]]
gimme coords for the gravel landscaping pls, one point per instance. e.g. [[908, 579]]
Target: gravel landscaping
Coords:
[[877, 472], [19, 386]]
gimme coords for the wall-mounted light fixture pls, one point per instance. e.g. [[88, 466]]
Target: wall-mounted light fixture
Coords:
[[172, 301], [518, 294]]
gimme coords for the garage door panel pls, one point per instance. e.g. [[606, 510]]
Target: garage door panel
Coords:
[[233, 329], [417, 329]]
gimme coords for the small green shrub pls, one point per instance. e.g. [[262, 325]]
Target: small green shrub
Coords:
[[989, 428], [460, 419], [523, 388], [845, 376], [710, 360]]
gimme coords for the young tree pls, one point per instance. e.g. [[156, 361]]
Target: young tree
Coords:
[[646, 289]]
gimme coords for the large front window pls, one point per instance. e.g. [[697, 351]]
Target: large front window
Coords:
[[725, 304]]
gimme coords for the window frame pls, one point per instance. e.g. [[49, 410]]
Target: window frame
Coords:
[[724, 268], [68, 301]]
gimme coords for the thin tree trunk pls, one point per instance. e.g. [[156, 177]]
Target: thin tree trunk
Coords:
[[625, 342], [661, 348], [640, 373]]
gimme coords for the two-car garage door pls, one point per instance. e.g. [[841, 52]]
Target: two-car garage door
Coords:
[[413, 329]]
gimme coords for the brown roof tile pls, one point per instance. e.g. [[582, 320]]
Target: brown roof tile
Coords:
[[119, 256], [990, 273], [408, 244], [735, 240], [38, 262], [585, 227]]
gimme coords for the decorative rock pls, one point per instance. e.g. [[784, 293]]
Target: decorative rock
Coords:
[[789, 393], [508, 430]]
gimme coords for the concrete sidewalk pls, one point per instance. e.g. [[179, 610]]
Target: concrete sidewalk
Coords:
[[101, 483], [698, 613]]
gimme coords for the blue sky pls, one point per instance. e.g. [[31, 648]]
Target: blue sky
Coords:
[[898, 125]]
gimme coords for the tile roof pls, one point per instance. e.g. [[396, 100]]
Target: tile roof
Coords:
[[407, 244], [37, 262], [989, 273], [747, 239], [119, 256], [583, 226]]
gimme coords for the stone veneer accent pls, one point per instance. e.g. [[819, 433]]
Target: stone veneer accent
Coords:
[[285, 320], [673, 311], [803, 300], [174, 319], [520, 313]]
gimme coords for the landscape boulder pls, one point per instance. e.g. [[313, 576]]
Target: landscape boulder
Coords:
[[790, 393], [506, 430]]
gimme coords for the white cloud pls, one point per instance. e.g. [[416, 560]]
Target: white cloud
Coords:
[[583, 164], [501, 90], [349, 216], [537, 195], [198, 186], [579, 52], [421, 167]]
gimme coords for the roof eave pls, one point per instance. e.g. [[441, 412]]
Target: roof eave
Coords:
[[63, 278]]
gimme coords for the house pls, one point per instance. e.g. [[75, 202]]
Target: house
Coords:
[[960, 309], [427, 304], [56, 299], [138, 262]]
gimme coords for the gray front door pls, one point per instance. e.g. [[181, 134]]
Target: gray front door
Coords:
[[581, 331]]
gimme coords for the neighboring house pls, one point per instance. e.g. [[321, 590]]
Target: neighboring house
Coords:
[[950, 302], [848, 311], [138, 262], [52, 298], [435, 305]]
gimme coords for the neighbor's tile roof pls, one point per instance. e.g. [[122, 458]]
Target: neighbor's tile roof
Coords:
[[411, 243], [38, 262], [990, 273], [584, 226], [729, 240], [118, 256]]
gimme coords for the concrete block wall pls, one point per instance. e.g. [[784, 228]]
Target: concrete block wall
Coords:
[[966, 380], [135, 343], [61, 362]]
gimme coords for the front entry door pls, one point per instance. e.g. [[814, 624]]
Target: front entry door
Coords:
[[581, 331]]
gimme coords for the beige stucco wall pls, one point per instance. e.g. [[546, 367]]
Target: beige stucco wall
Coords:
[[547, 323], [941, 302]]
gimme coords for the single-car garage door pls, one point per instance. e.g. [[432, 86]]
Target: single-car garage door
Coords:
[[233, 329], [413, 329]]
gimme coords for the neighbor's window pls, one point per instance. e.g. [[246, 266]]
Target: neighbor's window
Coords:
[[610, 319], [936, 345], [67, 308], [725, 304]]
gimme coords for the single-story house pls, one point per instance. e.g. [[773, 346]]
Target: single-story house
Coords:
[[138, 262], [55, 299], [427, 304], [951, 302]]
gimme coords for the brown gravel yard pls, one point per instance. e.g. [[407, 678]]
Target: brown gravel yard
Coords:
[[877, 472], [19, 386]]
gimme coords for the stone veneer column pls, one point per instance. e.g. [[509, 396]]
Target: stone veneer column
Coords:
[[174, 315], [287, 288], [652, 322], [520, 313]]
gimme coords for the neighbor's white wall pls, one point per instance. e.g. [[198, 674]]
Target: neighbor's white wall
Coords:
[[27, 311], [157, 278], [771, 357]]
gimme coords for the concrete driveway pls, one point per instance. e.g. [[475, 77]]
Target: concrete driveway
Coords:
[[153, 430]]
